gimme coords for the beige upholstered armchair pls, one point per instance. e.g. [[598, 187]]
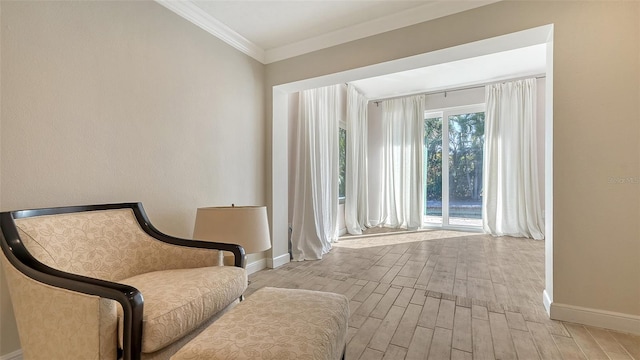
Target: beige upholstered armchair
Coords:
[[100, 282]]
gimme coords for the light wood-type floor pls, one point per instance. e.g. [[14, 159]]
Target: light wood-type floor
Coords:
[[447, 295]]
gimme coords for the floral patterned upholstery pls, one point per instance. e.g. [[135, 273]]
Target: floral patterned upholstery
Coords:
[[183, 288], [177, 301], [282, 324], [78, 326], [108, 245]]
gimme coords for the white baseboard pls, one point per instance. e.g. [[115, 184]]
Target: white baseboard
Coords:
[[342, 231], [594, 317], [16, 355], [278, 261], [546, 301], [256, 266]]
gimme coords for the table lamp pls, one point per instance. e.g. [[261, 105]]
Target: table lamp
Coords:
[[246, 226]]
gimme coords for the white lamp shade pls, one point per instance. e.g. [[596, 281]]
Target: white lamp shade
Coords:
[[246, 226]]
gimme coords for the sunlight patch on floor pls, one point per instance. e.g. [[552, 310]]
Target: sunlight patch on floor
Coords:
[[398, 238]]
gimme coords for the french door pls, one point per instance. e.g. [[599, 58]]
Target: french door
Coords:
[[453, 155]]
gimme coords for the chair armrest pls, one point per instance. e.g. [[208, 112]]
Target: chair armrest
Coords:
[[145, 224], [129, 297]]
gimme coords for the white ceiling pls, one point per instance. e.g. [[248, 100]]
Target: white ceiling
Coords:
[[516, 63], [275, 30], [271, 24]]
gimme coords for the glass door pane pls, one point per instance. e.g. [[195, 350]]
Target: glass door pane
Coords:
[[466, 141], [433, 169]]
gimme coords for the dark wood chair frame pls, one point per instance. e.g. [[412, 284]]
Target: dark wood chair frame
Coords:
[[129, 297]]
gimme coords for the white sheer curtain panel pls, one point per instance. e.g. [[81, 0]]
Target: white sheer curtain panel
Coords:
[[356, 203], [511, 196], [402, 189], [315, 205]]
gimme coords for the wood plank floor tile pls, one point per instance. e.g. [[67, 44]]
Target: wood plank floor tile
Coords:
[[460, 355], [555, 327], [404, 281], [568, 348], [357, 320], [502, 293], [606, 341], [351, 292], [446, 314], [351, 332], [617, 356], [380, 311], [420, 344], [447, 265], [524, 345], [631, 343], [429, 313], [479, 312], [412, 269], [395, 353], [544, 343], [405, 297], [441, 282], [391, 274], [370, 354], [425, 275], [354, 305], [516, 321], [383, 335], [345, 286], [496, 274], [460, 287], [407, 326], [478, 270], [481, 289], [482, 342], [360, 315], [502, 343], [403, 259], [382, 288], [586, 342], [440, 344], [361, 339], [364, 293], [461, 270], [388, 260], [419, 297], [374, 273], [462, 329]]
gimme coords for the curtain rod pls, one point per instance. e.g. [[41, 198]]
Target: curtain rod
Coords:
[[378, 101]]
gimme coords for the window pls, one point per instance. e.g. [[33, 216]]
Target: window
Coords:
[[453, 169], [342, 161]]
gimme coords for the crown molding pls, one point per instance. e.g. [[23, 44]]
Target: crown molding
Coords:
[[430, 11], [433, 10], [193, 13]]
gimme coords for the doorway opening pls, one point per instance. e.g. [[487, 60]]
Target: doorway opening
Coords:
[[281, 95], [453, 156]]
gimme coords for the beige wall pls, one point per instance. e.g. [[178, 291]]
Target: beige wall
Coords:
[[596, 128], [124, 101]]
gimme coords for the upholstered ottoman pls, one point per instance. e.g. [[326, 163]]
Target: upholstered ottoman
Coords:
[[275, 324]]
